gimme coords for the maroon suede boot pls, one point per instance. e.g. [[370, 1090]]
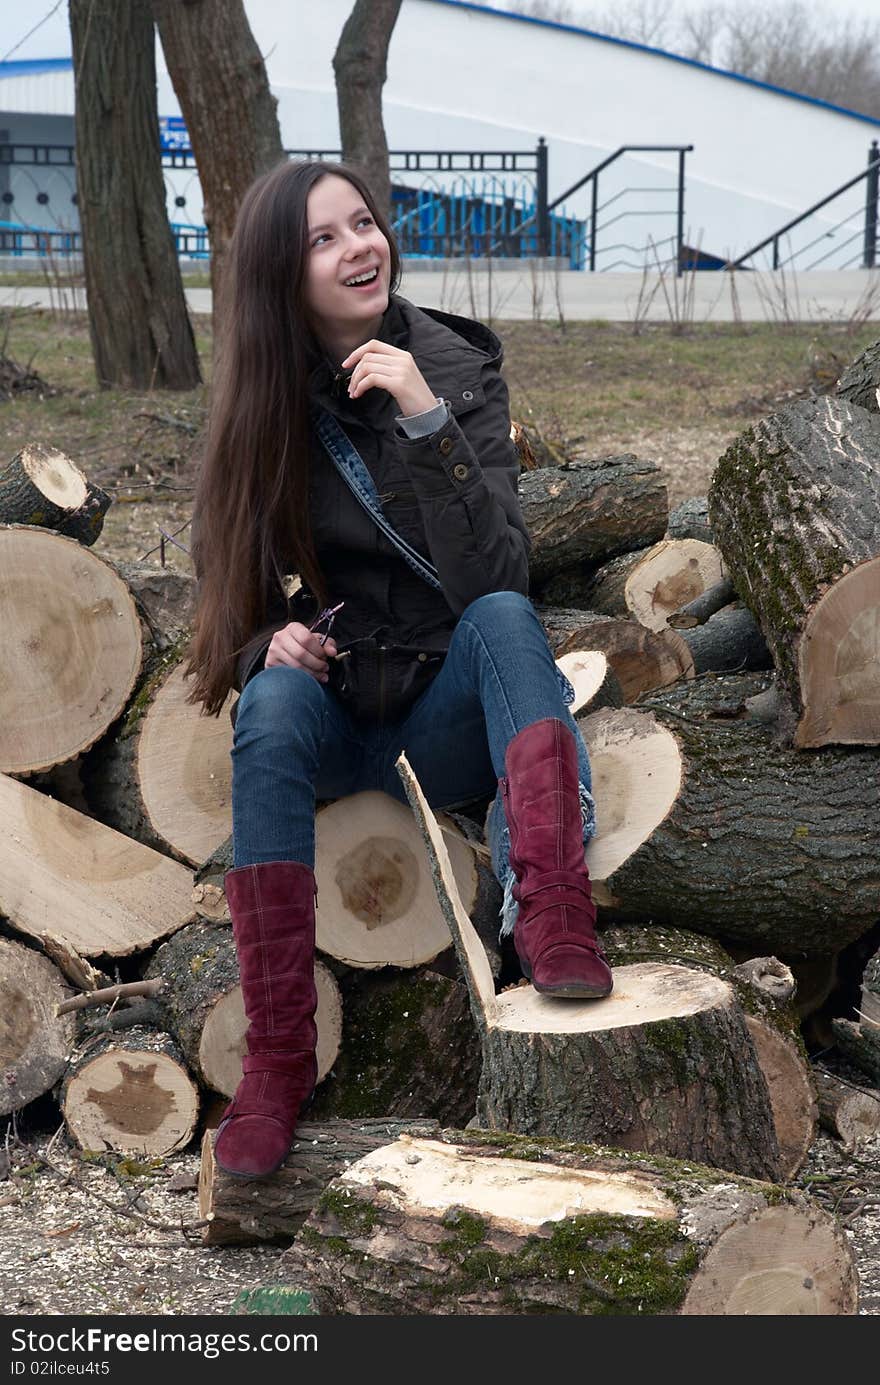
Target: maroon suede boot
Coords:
[[555, 932], [273, 921]]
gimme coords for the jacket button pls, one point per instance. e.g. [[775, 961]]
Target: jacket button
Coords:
[[460, 472], [423, 658], [446, 446], [467, 394]]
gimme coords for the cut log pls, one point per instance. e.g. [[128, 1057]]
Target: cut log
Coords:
[[42, 487], [35, 1042], [629, 1070], [870, 1005], [760, 845], [690, 520], [640, 659], [408, 1048], [729, 641], [165, 597], [89, 887], [322, 1150], [859, 382], [594, 681], [376, 903], [585, 512], [851, 1114], [764, 988], [795, 503], [474, 1223], [72, 649], [86, 523], [655, 582], [860, 1043], [164, 776], [203, 1001], [130, 1093], [698, 611]]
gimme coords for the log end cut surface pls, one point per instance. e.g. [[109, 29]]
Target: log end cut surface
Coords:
[[839, 663], [644, 993]]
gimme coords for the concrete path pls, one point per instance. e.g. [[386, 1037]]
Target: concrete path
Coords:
[[521, 295]]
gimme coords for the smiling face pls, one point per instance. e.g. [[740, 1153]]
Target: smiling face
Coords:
[[344, 244]]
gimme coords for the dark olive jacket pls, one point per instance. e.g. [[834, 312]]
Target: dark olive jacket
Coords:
[[452, 495]]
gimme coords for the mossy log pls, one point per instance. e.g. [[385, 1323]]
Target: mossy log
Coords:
[[163, 774], [655, 582], [131, 1093], [241, 1213], [34, 1041], [761, 844], [690, 520], [479, 1224], [851, 1114], [203, 1001], [640, 659], [665, 1063], [795, 504], [764, 988], [585, 512], [72, 653], [860, 381], [730, 640], [408, 1048]]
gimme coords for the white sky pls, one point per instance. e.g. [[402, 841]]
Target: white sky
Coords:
[[52, 39]]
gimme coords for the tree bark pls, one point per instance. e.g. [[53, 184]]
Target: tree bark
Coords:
[[859, 382], [727, 642], [221, 83], [795, 504], [34, 1040], [140, 330], [360, 64], [479, 1223]]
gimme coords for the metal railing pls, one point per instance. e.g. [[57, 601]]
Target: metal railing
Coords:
[[867, 231]]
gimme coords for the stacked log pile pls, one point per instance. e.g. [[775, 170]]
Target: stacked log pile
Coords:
[[738, 831]]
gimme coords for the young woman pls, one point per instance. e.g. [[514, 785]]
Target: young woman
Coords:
[[322, 359]]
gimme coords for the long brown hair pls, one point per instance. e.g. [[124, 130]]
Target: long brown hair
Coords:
[[251, 512]]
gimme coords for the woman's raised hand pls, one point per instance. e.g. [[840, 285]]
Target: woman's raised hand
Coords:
[[298, 647], [377, 363]]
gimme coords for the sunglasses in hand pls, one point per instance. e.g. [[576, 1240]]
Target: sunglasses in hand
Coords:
[[326, 617]]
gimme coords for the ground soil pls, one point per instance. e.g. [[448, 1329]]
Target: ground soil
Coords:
[[103, 1234]]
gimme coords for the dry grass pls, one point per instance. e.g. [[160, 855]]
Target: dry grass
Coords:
[[674, 398]]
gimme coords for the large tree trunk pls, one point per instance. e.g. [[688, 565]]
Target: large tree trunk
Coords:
[[795, 505], [141, 333], [220, 81], [361, 66], [479, 1223]]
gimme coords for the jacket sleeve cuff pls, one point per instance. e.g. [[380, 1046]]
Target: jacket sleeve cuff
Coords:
[[424, 424]]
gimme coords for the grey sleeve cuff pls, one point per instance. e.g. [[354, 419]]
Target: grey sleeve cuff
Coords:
[[423, 425]]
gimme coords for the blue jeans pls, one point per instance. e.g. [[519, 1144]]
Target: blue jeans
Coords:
[[295, 742]]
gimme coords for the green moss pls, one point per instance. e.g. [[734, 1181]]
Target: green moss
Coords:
[[156, 673], [353, 1215], [468, 1231]]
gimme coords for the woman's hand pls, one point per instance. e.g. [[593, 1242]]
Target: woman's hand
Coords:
[[298, 647], [377, 363]]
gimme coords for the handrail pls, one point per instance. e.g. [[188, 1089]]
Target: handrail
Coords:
[[871, 172], [624, 149]]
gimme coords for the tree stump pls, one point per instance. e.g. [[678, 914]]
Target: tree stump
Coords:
[[764, 988], [630, 1069], [322, 1150], [585, 512], [164, 776], [34, 1041], [88, 888], [202, 997], [760, 844], [654, 582], [131, 1093], [72, 652], [480, 1223], [795, 504]]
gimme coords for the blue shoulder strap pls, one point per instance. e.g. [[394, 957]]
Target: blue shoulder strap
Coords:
[[352, 468]]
